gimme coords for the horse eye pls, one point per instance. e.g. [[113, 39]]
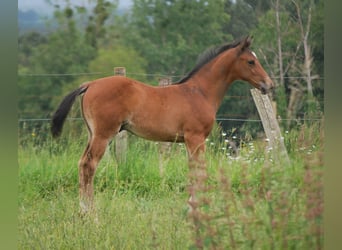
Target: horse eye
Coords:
[[251, 62]]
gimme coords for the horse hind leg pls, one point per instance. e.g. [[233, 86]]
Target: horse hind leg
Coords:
[[87, 166]]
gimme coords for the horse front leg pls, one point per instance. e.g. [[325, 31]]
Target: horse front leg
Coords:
[[197, 168], [198, 185]]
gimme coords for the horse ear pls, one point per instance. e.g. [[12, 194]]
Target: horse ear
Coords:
[[245, 43]]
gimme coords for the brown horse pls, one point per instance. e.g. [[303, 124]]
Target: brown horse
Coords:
[[182, 112]]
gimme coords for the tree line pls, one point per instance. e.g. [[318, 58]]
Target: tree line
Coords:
[[165, 37]]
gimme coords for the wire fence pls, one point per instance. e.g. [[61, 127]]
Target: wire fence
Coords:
[[35, 133], [31, 124], [135, 74], [45, 96]]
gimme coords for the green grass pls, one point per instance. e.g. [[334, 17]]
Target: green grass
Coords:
[[251, 202]]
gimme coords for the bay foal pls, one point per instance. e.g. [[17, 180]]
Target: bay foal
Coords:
[[182, 112]]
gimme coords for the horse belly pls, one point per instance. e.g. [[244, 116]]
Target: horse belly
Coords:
[[156, 134], [156, 129]]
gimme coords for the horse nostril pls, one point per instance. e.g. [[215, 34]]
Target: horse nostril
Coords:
[[263, 90]]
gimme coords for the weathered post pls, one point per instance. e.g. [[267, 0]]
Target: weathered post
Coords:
[[164, 147], [271, 126], [294, 101], [121, 139]]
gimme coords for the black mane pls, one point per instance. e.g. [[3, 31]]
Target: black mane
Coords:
[[206, 57]]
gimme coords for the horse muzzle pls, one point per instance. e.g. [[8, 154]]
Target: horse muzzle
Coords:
[[266, 88]]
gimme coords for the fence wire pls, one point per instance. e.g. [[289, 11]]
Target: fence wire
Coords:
[[33, 127], [134, 74]]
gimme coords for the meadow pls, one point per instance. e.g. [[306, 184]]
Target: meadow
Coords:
[[250, 201]]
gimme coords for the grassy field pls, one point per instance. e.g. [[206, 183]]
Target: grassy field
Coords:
[[251, 201]]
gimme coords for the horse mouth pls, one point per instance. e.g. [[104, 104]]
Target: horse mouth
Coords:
[[265, 89]]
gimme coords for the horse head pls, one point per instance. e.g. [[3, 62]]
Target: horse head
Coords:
[[248, 68]]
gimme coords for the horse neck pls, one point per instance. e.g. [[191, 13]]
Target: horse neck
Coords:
[[214, 79]]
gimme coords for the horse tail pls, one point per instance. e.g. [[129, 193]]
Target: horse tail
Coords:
[[64, 107]]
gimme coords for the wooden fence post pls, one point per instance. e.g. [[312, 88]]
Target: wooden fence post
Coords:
[[271, 126], [164, 147], [121, 139]]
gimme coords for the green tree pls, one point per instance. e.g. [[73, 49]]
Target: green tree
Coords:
[[243, 18], [64, 51], [27, 42], [119, 56], [96, 28], [284, 38], [260, 7], [171, 34], [277, 41]]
